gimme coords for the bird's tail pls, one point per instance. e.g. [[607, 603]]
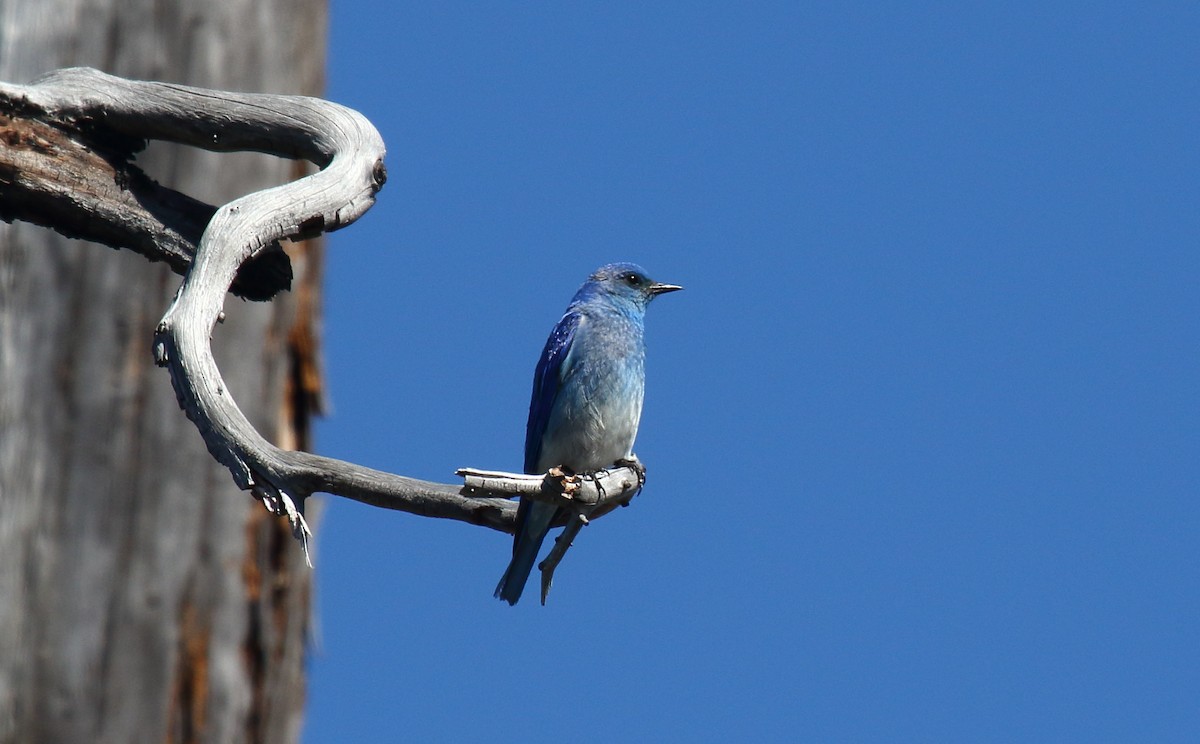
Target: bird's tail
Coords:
[[525, 552]]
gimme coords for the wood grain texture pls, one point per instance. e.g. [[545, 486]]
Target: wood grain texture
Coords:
[[83, 185], [144, 597]]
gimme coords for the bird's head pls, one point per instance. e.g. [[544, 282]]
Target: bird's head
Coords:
[[627, 282]]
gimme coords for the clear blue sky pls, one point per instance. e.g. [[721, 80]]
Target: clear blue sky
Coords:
[[922, 431]]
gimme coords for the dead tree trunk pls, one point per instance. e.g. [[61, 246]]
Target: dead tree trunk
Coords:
[[142, 596]]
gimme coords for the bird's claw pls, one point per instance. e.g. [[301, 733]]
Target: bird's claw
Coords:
[[569, 482], [634, 464], [569, 485]]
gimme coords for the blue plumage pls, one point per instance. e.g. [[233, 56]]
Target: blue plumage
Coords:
[[587, 397]]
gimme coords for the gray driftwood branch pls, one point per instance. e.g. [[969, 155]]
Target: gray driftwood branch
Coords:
[[64, 165], [93, 123]]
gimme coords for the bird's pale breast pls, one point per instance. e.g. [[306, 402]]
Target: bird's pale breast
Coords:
[[596, 414]]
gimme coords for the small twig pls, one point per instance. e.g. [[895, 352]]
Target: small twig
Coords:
[[500, 482], [281, 504], [561, 544]]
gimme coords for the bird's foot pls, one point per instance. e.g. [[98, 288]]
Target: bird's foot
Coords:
[[634, 464], [569, 484], [568, 481]]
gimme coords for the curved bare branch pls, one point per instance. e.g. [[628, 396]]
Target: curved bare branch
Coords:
[[350, 153], [77, 177]]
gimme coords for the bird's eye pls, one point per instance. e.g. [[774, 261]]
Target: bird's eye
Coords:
[[633, 279]]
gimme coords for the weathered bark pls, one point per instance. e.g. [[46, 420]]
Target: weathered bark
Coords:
[[84, 185], [144, 598]]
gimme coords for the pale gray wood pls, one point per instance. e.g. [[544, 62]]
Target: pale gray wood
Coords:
[[83, 184], [588, 496], [142, 598]]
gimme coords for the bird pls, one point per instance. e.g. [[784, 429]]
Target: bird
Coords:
[[587, 398]]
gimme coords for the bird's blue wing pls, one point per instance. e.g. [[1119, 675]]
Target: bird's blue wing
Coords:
[[552, 369], [534, 519]]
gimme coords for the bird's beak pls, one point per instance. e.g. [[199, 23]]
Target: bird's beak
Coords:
[[658, 288]]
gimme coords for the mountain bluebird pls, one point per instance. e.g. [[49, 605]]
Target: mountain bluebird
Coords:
[[587, 397]]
